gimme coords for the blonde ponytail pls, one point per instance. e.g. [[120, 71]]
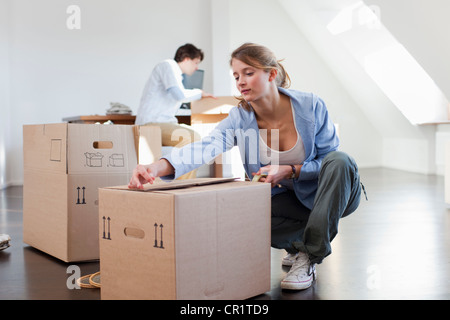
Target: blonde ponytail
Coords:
[[283, 79]]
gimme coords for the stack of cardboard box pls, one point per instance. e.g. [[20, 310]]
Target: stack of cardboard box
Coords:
[[198, 239], [64, 165]]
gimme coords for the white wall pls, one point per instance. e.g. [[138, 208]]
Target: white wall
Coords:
[[55, 72], [220, 36], [5, 141]]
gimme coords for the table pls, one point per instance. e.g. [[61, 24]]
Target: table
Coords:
[[116, 119]]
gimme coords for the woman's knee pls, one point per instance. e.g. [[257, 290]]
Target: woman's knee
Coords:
[[338, 163], [339, 159]]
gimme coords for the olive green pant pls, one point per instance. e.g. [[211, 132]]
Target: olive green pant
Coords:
[[297, 228]]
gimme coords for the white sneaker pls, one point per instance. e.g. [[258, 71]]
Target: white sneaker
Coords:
[[289, 259], [301, 275], [4, 241]]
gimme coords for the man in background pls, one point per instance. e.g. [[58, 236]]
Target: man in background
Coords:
[[163, 95]]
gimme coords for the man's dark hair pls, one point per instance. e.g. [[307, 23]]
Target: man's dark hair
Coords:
[[188, 51]]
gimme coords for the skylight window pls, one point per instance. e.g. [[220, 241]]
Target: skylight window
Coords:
[[407, 84], [389, 64], [357, 13]]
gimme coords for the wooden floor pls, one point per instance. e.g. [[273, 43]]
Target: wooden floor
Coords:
[[395, 246]]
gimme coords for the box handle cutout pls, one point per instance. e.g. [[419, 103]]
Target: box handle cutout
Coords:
[[134, 233], [102, 145]]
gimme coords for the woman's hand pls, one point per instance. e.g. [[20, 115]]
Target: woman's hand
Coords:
[[143, 174], [275, 174]]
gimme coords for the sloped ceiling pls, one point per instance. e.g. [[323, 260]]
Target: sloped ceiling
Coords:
[[422, 27], [312, 18]]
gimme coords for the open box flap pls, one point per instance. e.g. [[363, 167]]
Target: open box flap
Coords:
[[175, 184]]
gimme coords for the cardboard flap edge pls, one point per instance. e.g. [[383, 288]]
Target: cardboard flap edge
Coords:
[[174, 184]]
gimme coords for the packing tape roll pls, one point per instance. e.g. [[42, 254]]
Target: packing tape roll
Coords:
[[90, 281]]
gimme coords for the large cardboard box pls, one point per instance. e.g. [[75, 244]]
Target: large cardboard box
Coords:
[[64, 165], [203, 238]]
